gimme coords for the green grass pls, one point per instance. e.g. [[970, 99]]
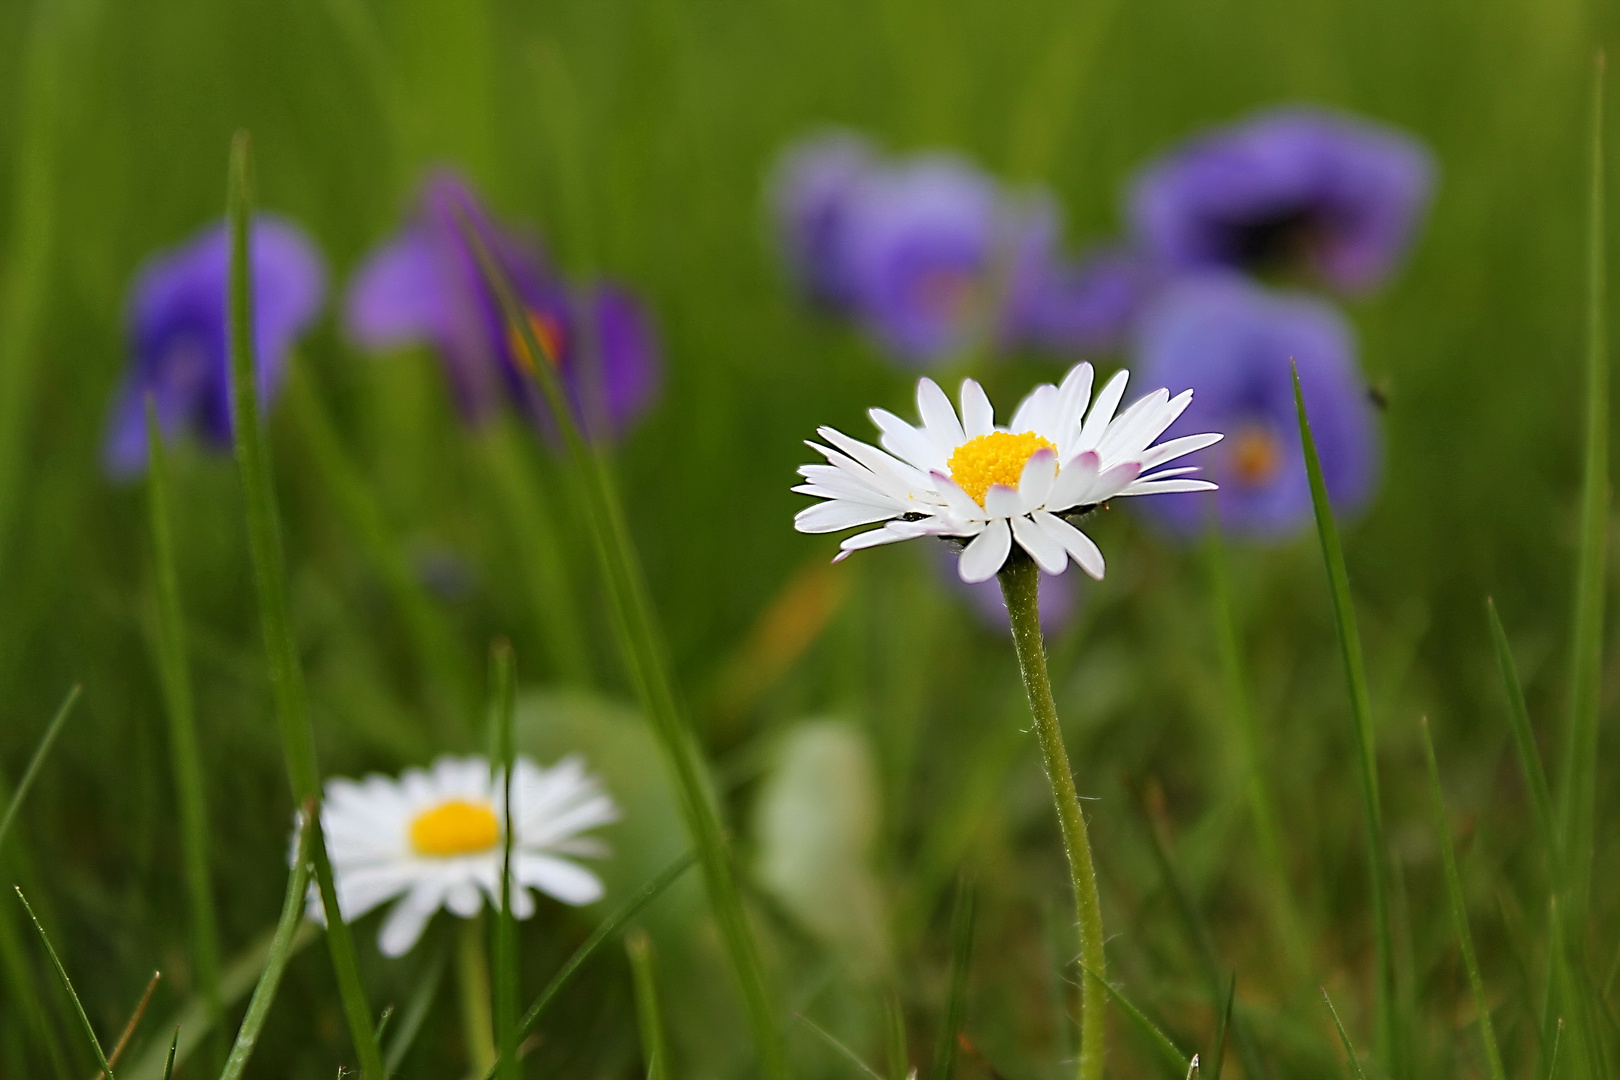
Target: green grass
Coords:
[[633, 135]]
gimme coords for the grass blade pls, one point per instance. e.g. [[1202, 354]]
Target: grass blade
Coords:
[[33, 229], [1459, 910], [67, 984], [286, 674], [449, 681], [416, 1010], [1262, 800], [649, 1016], [1223, 1027], [53, 729], [1178, 1063], [1198, 933], [894, 1029], [646, 659], [506, 958], [605, 931], [1524, 742], [1578, 792], [963, 913], [1344, 1037], [168, 1066], [281, 950], [838, 1045], [134, 1021], [180, 709], [1355, 674]]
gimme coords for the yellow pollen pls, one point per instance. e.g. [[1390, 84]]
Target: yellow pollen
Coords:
[[996, 458], [1255, 456], [457, 827]]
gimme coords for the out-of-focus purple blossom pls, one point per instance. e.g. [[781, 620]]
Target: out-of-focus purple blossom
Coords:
[[1059, 596], [937, 254], [1086, 306], [1294, 189], [179, 329], [1232, 341], [425, 287], [809, 193]]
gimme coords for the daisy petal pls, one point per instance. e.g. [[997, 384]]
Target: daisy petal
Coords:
[[1102, 412], [1044, 548], [1037, 412], [406, 920], [1175, 448], [959, 502], [906, 442], [978, 416], [938, 417], [1079, 546], [568, 882], [1001, 501], [1035, 483], [1074, 480], [837, 515], [1073, 395], [1165, 487], [984, 556]]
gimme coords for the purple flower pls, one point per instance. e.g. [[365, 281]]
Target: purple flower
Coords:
[[937, 254], [1086, 306], [179, 329], [1289, 189], [809, 193], [1231, 341], [425, 286]]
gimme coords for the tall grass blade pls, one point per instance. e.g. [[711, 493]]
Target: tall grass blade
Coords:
[[67, 984], [837, 1045], [506, 957], [645, 657], [1552, 1058], [1223, 1027], [1388, 1042], [605, 932], [194, 1019], [174, 670], [168, 1066], [1524, 742], [649, 1015], [963, 915], [1344, 1038], [1199, 936], [1177, 1062], [53, 729], [894, 1030], [281, 950], [416, 1010], [33, 230], [134, 1021], [1577, 797], [1257, 787], [449, 680], [264, 539], [1459, 910], [544, 571]]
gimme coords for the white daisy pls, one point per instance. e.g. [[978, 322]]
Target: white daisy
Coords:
[[968, 479], [435, 837]]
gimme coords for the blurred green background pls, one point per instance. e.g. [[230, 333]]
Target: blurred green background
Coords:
[[635, 137]]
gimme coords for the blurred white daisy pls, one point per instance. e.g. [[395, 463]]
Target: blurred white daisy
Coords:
[[433, 838], [966, 478]]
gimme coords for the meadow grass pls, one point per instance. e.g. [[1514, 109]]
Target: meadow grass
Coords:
[[1249, 818]]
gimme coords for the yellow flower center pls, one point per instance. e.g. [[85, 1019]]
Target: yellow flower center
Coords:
[[1255, 456], [996, 458], [457, 827]]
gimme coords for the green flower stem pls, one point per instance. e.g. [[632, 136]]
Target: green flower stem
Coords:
[[1020, 585]]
